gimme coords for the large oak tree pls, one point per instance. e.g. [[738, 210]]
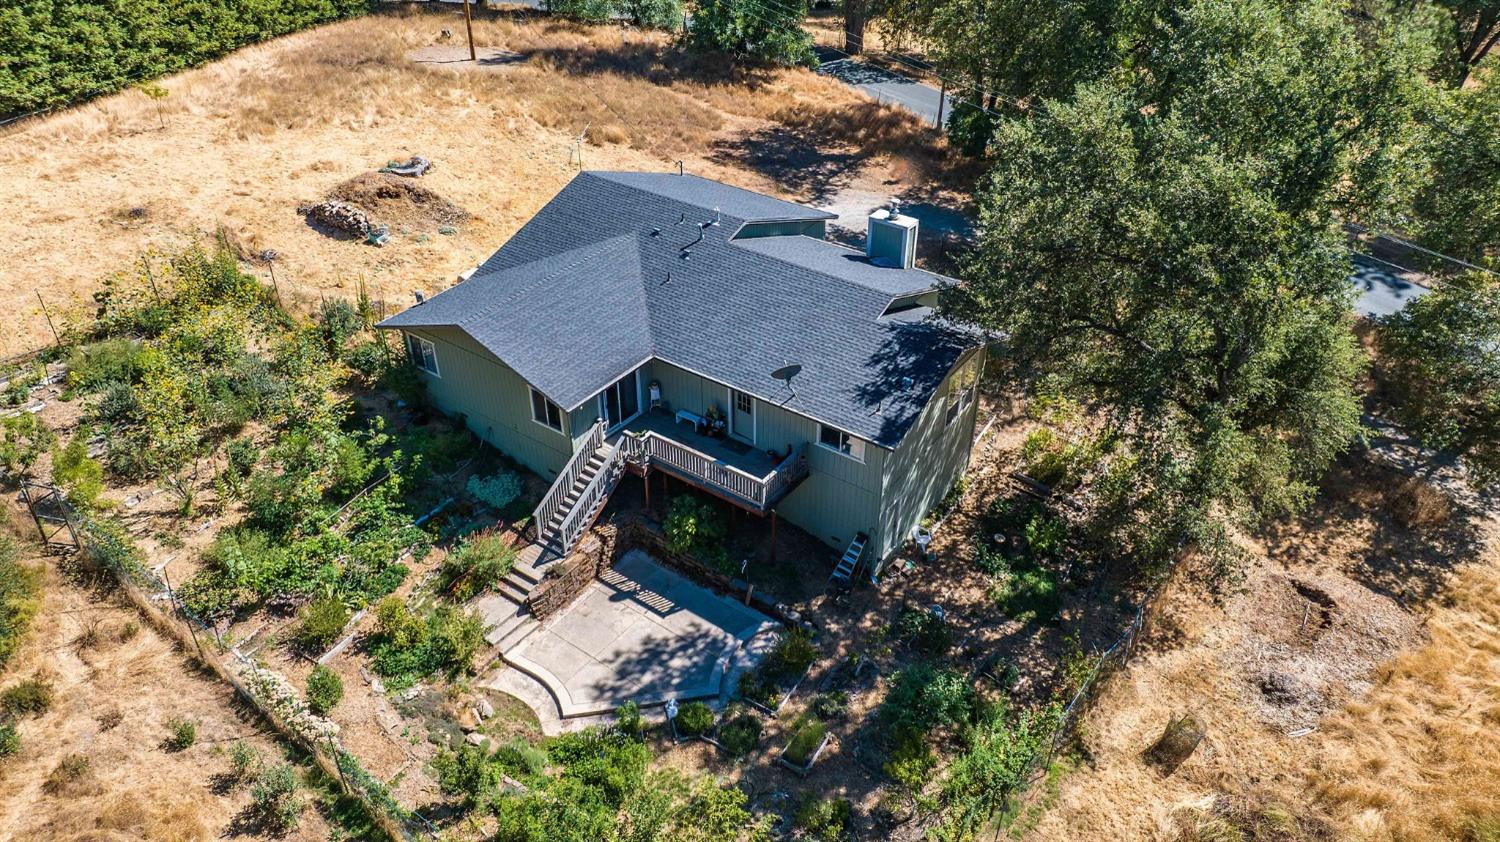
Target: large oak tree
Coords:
[[1163, 247]]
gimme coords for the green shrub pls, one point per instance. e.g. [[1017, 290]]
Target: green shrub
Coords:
[[995, 767], [628, 720], [408, 647], [585, 11], [652, 14], [1028, 596], [1045, 536], [324, 690], [521, 758], [10, 740], [824, 820], [29, 697], [244, 760], [78, 475], [476, 565], [184, 732], [243, 455], [924, 629], [496, 491], [807, 734], [23, 440], [468, 773], [91, 366], [831, 705], [323, 620], [922, 698], [911, 762], [274, 800], [991, 560], [740, 735], [20, 592], [695, 527], [338, 322], [603, 761], [695, 718]]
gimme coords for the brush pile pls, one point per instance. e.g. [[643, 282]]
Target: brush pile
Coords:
[[339, 215]]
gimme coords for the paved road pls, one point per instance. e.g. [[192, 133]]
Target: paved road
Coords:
[[885, 85], [1384, 288]]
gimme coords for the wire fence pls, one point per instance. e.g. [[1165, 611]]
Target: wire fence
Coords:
[[107, 548]]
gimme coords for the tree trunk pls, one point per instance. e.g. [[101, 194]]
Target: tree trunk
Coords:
[[854, 26]]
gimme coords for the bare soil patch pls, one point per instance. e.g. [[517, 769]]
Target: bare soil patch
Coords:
[[394, 200]]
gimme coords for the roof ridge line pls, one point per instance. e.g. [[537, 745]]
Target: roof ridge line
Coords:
[[590, 251]]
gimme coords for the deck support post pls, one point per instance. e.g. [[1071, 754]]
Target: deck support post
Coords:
[[646, 484], [773, 536]]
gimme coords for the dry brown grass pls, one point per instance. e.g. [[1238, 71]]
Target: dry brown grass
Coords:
[[1418, 760], [1403, 748], [93, 767], [250, 137]]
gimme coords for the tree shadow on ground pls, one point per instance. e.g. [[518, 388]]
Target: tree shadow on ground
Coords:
[[1363, 521], [794, 158]]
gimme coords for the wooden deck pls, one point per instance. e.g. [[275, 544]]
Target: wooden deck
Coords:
[[740, 473]]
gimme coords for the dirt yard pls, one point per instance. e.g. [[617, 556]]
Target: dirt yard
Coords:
[[1347, 687], [244, 141], [116, 685]]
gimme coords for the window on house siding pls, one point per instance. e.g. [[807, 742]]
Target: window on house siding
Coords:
[[423, 354], [545, 412], [836, 439], [961, 392]]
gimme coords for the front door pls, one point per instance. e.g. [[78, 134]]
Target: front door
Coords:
[[742, 416], [621, 401]]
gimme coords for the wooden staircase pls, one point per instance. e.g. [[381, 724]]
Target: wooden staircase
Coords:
[[843, 574], [551, 534]]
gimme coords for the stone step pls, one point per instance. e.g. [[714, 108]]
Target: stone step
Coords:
[[525, 573], [517, 633], [504, 629], [513, 591]]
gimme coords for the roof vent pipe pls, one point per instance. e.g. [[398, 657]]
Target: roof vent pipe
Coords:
[[891, 238], [421, 299]]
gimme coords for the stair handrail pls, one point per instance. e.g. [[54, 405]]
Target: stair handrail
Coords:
[[553, 500], [573, 525]]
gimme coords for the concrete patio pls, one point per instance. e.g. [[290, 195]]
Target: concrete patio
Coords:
[[640, 633]]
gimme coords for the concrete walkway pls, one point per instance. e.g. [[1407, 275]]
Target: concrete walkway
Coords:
[[640, 633]]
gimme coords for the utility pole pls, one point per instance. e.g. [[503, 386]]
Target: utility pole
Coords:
[[469, 25]]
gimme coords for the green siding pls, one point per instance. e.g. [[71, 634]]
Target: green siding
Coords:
[[931, 458], [884, 496], [494, 400]]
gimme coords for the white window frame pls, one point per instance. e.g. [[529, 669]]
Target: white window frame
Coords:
[[547, 404], [851, 447], [422, 352], [754, 416]]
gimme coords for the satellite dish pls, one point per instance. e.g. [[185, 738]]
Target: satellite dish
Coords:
[[785, 375]]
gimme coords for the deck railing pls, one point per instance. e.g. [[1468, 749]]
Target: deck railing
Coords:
[[581, 515], [565, 479], [652, 448]]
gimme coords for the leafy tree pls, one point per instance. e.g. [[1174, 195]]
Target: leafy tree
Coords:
[[754, 31], [587, 11], [1163, 249], [1458, 206], [1474, 32], [652, 14], [1440, 360]]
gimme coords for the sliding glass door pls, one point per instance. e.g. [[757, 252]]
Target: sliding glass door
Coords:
[[621, 401]]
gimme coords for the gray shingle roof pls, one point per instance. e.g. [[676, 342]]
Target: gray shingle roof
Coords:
[[617, 268]]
